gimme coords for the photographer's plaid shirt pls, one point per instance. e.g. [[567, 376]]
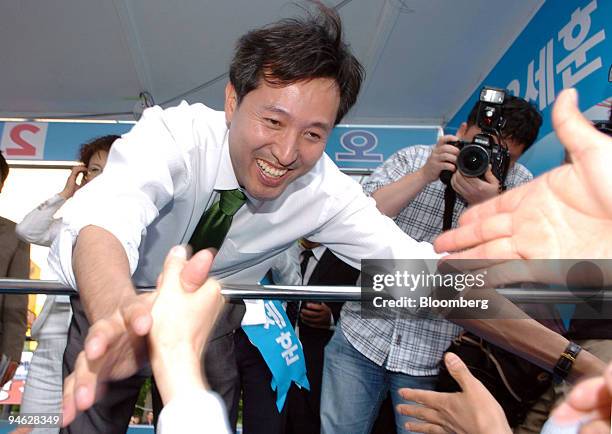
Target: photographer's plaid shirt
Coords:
[[411, 346]]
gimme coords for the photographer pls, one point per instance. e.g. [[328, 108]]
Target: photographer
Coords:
[[407, 188]]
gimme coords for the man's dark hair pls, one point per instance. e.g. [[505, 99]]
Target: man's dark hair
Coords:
[[4, 168], [523, 120], [297, 49], [94, 146]]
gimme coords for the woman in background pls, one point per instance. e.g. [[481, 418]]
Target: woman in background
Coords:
[[43, 387]]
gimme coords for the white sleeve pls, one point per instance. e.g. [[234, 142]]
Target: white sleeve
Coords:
[[39, 226], [286, 268], [359, 231], [177, 416], [146, 169], [355, 229]]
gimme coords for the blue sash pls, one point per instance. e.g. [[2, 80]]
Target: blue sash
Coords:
[[281, 349]]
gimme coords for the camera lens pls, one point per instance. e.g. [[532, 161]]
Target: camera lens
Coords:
[[473, 160]]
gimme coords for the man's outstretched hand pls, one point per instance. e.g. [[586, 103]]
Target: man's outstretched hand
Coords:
[[115, 349], [176, 320]]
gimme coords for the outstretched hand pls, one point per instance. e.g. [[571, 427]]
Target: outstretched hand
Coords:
[[472, 411], [184, 314], [173, 323], [115, 349], [565, 213]]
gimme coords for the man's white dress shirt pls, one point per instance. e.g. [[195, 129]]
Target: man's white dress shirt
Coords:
[[163, 174]]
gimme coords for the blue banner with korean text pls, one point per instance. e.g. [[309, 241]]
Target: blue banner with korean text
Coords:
[[566, 44], [366, 147]]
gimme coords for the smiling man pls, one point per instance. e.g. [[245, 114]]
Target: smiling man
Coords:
[[259, 162], [279, 133], [290, 84]]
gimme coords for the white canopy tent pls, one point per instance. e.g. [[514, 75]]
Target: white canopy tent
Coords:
[[63, 58]]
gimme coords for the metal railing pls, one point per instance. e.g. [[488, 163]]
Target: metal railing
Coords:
[[319, 293]]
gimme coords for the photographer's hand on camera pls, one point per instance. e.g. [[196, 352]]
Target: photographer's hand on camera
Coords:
[[475, 190], [443, 157], [395, 196]]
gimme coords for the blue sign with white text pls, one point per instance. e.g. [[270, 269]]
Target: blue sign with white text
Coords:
[[566, 44], [368, 146]]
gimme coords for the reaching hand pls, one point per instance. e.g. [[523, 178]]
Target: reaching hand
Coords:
[[177, 318], [115, 348], [71, 183], [472, 411], [565, 213], [184, 313]]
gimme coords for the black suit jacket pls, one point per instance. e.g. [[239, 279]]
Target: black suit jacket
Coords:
[[332, 271], [303, 406]]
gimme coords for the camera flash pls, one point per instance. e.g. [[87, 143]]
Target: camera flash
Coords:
[[492, 95]]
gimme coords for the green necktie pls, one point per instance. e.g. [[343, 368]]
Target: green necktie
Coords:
[[216, 221]]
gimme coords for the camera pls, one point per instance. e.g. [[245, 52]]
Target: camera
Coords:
[[475, 156]]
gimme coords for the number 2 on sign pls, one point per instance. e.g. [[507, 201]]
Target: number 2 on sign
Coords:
[[24, 148], [24, 140]]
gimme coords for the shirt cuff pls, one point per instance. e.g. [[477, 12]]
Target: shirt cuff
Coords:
[[553, 427], [52, 201], [177, 416]]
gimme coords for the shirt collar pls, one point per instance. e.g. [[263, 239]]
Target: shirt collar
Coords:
[[226, 178], [317, 252]]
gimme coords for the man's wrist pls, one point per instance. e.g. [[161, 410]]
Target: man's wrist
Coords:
[[586, 364], [565, 363], [493, 421], [98, 308], [424, 177]]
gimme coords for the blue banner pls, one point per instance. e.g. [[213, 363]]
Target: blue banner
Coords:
[[366, 147], [566, 44], [52, 141], [349, 146]]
